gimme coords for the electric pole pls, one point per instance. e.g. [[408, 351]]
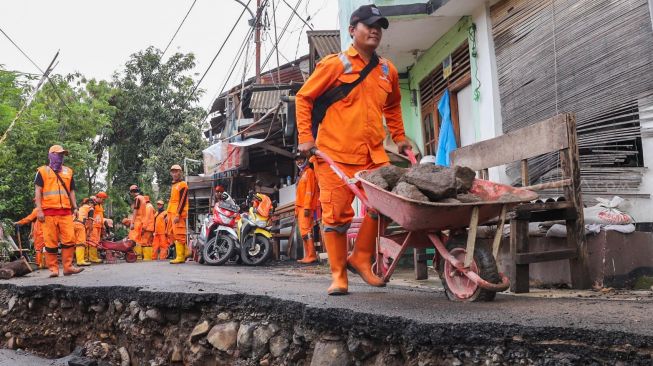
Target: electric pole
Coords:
[[257, 40]]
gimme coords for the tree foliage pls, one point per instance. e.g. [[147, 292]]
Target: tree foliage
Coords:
[[76, 125], [126, 131], [156, 124]]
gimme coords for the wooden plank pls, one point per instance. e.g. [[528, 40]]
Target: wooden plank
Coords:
[[544, 206], [548, 185], [579, 267], [519, 244], [524, 173], [524, 143], [547, 215], [471, 237], [497, 236], [547, 256], [421, 268]]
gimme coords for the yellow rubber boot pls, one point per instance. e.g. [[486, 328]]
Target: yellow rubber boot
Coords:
[[147, 253], [93, 255], [188, 252], [139, 251], [360, 260], [79, 256], [180, 255]]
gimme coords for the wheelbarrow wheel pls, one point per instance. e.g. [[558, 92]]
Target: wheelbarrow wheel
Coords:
[[457, 286]]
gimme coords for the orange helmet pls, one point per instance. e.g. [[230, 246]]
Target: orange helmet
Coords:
[[102, 195], [219, 189]]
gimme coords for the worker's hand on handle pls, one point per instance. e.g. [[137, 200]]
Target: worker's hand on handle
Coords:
[[40, 215], [403, 146], [175, 220], [306, 148]]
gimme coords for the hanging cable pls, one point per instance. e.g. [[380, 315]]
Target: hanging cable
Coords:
[[55, 87], [178, 28], [474, 54]]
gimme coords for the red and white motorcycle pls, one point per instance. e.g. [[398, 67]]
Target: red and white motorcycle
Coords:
[[219, 236]]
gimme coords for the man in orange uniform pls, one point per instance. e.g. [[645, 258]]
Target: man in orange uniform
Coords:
[[37, 236], [160, 243], [177, 213], [83, 225], [98, 227], [305, 206], [138, 219], [352, 134], [148, 229], [54, 195]]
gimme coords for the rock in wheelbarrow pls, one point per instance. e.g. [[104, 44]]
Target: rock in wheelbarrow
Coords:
[[409, 191], [438, 183], [386, 177]]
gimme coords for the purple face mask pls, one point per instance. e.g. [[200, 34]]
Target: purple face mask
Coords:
[[56, 161]]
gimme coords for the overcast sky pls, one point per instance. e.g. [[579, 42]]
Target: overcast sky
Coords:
[[97, 37]]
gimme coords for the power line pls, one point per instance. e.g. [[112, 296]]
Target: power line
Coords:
[[54, 85], [218, 53], [178, 28], [299, 16], [283, 31]]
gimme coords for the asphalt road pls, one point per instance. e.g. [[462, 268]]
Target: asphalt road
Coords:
[[308, 286]]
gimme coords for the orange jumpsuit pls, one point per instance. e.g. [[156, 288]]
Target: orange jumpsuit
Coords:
[[352, 131], [148, 225], [178, 208], [306, 202], [352, 134], [139, 220], [160, 243], [98, 225], [36, 234]]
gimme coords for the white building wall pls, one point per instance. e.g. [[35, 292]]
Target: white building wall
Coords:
[[642, 208], [487, 111]]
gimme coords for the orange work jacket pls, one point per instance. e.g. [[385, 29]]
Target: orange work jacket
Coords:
[[98, 219], [54, 194], [37, 229], [352, 130], [148, 223], [140, 206], [160, 220], [306, 196], [178, 204]]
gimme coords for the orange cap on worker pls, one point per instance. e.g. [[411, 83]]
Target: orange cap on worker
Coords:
[[175, 167], [57, 149]]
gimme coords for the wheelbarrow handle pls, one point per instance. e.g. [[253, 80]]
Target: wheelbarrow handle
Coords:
[[347, 180], [411, 157]]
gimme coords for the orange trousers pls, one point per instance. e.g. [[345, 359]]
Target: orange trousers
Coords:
[[335, 197], [305, 224], [80, 233], [177, 231], [58, 229], [146, 238], [160, 246]]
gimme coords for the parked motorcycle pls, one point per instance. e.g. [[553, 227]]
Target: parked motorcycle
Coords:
[[254, 230], [220, 240]]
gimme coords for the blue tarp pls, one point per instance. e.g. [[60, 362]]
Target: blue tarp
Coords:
[[447, 138]]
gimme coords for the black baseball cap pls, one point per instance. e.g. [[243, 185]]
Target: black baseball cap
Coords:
[[369, 14]]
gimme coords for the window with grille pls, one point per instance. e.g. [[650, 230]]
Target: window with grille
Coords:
[[431, 89]]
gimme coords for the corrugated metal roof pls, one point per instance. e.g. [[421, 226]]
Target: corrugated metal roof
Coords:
[[262, 101], [325, 42]]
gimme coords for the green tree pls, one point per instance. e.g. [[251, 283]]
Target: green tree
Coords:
[[75, 124], [156, 122]]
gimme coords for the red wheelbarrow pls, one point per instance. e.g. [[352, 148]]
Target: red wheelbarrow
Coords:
[[468, 272]]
